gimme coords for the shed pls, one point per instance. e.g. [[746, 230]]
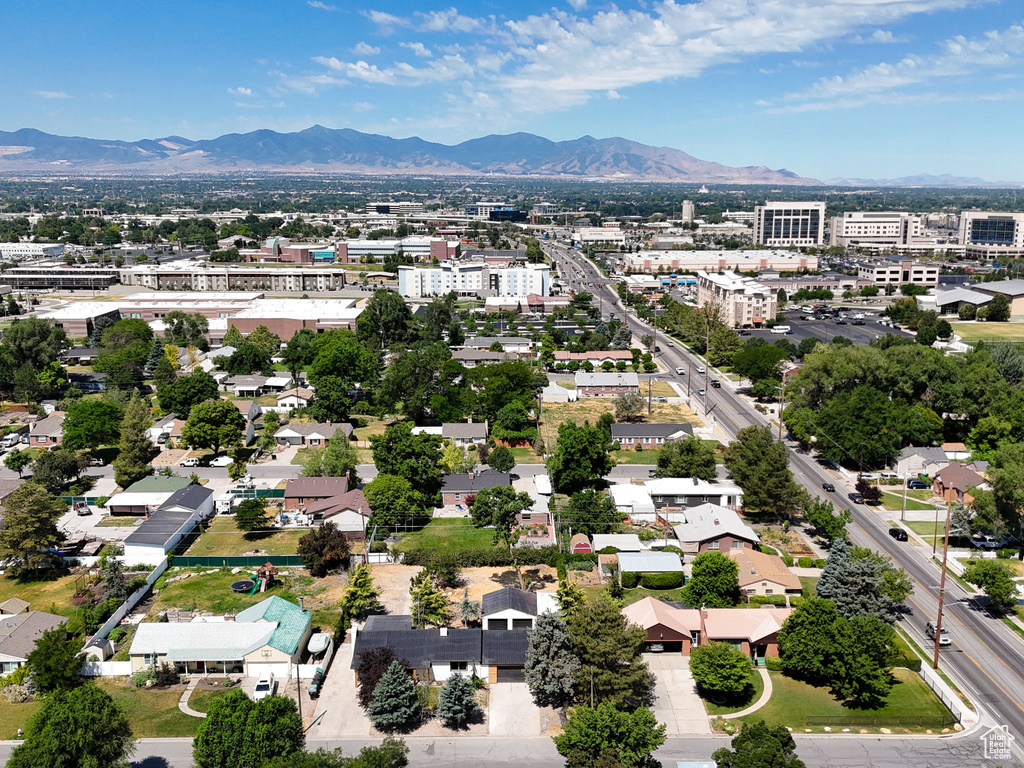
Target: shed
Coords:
[[579, 544], [649, 562]]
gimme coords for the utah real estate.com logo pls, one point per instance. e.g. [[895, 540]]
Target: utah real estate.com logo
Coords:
[[997, 743]]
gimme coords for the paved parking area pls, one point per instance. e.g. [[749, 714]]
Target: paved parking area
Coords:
[[338, 714], [511, 711], [676, 703], [827, 329]]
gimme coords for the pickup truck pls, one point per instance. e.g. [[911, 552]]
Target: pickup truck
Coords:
[[855, 497]]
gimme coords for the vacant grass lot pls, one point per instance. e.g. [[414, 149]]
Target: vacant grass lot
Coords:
[[224, 539], [989, 331], [590, 409], [451, 533], [753, 693], [639, 593], [52, 595], [793, 701]]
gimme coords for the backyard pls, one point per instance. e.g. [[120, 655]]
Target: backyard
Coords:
[[590, 409], [223, 539], [52, 595], [452, 534]]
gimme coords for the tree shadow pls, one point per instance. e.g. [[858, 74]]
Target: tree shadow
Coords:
[[536, 579], [743, 698], [153, 761]]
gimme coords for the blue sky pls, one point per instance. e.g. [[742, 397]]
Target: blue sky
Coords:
[[826, 88]]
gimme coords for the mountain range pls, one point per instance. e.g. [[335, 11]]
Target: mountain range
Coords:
[[348, 151]]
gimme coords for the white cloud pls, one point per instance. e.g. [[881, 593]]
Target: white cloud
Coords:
[[240, 91], [52, 95], [419, 49], [321, 6], [363, 106], [365, 49], [883, 36], [578, 5], [959, 57], [613, 94]]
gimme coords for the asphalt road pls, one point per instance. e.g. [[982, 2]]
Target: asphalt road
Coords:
[[986, 658]]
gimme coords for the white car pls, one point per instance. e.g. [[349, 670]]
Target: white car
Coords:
[[264, 687], [190, 462], [222, 461]]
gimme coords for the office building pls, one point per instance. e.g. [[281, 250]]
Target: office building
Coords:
[[650, 262], [992, 235], [742, 302], [790, 223], [688, 212], [30, 250], [899, 272]]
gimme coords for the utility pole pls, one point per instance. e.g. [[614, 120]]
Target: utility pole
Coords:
[[903, 510], [782, 403], [942, 585], [650, 385]]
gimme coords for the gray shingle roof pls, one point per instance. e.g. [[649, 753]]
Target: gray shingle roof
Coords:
[[190, 497], [479, 481], [315, 487], [19, 634], [509, 598], [477, 429], [649, 430]]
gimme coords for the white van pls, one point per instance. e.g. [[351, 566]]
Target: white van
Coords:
[[944, 638]]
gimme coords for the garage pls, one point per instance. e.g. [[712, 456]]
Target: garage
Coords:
[[511, 675], [260, 668]]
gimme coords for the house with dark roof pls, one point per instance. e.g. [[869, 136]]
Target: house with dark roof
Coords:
[[649, 435], [247, 385], [953, 481], [88, 381], [19, 634], [303, 492], [463, 435], [511, 608], [456, 488], [171, 522], [147, 495]]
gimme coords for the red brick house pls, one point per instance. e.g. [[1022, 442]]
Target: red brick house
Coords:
[[303, 492], [457, 488], [606, 384]]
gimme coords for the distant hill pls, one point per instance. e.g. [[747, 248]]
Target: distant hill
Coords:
[[345, 150], [923, 180]]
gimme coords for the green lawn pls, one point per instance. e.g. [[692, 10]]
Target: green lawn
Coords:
[[15, 716], [989, 331], [525, 456], [111, 521], [792, 702], [211, 592], [50, 595], [639, 593], [635, 457], [895, 501], [223, 539], [152, 712], [200, 700], [810, 585], [754, 690], [452, 533]]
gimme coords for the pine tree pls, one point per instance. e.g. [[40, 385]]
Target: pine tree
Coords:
[[156, 354], [469, 610], [429, 603], [360, 598], [456, 705], [394, 704], [114, 582], [855, 582], [838, 556], [570, 597], [132, 462], [551, 664]]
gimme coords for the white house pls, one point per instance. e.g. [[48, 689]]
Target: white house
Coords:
[[634, 501], [512, 608], [310, 435], [296, 397], [151, 542], [682, 492], [920, 461]]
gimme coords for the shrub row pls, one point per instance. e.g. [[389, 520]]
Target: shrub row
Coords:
[[630, 580], [661, 580], [1006, 554], [483, 557], [768, 600]]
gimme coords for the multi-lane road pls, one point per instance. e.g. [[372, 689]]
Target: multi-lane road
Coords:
[[986, 659]]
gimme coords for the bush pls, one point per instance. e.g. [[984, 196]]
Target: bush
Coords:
[[805, 562], [820, 562], [17, 677], [768, 600], [117, 634], [670, 548], [1006, 554], [609, 551], [140, 678], [101, 501], [639, 448], [630, 580], [788, 560], [661, 580], [773, 664]]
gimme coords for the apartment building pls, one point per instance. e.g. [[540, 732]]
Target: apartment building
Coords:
[[651, 262], [899, 272], [475, 278], [790, 223], [992, 234], [194, 276], [742, 301]]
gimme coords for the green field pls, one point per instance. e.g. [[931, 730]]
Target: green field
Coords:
[[50, 595], [15, 716], [525, 456], [211, 592], [451, 533], [223, 539], [739, 703], [201, 699], [627, 456], [989, 331], [793, 701]]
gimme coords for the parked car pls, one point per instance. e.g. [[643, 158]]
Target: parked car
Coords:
[[81, 508], [856, 498], [944, 638], [828, 487], [221, 461], [744, 332], [857, 322], [661, 399], [264, 687], [918, 485], [898, 533], [96, 461], [163, 438], [192, 461]]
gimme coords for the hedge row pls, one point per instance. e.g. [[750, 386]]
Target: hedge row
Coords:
[[661, 580], [630, 580], [768, 600], [483, 557], [804, 562]]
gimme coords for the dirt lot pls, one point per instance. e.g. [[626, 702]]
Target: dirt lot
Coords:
[[169, 457], [392, 581], [591, 409]]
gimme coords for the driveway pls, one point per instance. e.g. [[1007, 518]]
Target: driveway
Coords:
[[511, 711], [676, 702], [338, 714]]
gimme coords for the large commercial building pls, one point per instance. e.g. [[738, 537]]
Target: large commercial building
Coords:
[[30, 250], [741, 301], [899, 272], [992, 235], [650, 262], [196, 276], [876, 228], [585, 235], [790, 223], [474, 279]]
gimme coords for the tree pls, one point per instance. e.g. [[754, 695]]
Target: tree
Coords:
[[360, 599], [760, 466], [759, 745], [425, 385], [394, 704], [248, 359], [30, 529], [91, 423], [56, 468], [81, 727], [499, 385], [26, 386], [872, 493], [610, 651], [132, 462], [163, 373], [501, 459], [233, 337], [17, 460], [300, 351], [689, 457], [998, 309], [393, 500], [820, 515], [720, 668], [500, 507], [34, 341], [856, 582], [590, 512], [429, 603], [56, 660], [252, 515], [714, 583], [340, 355], [337, 459], [372, 665], [331, 401], [759, 362], [580, 458], [214, 424], [967, 312], [455, 460], [551, 665], [513, 424], [114, 582], [385, 321], [603, 736], [456, 705], [806, 645], [415, 457], [323, 550], [182, 394], [239, 732], [997, 581], [265, 340], [630, 406]]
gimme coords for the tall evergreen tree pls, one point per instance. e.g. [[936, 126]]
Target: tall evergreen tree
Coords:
[[760, 466], [456, 705], [132, 462], [429, 603], [360, 598], [551, 665], [610, 651], [394, 704], [30, 529]]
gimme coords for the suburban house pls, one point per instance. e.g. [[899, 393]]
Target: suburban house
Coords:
[[762, 574], [649, 562], [671, 625], [537, 529], [88, 381], [511, 608], [630, 435], [280, 382], [517, 345], [463, 435], [310, 435], [456, 488], [434, 654], [635, 502], [48, 432], [18, 636], [12, 606], [912, 462], [172, 521], [953, 481], [147, 495], [266, 637], [296, 397], [711, 527], [247, 386], [163, 427], [606, 384], [349, 511], [471, 358], [668, 493], [597, 358], [79, 355], [623, 542], [303, 492]]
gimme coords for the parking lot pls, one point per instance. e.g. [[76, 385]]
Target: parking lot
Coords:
[[826, 330]]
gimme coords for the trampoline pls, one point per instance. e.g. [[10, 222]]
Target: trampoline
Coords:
[[243, 587]]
